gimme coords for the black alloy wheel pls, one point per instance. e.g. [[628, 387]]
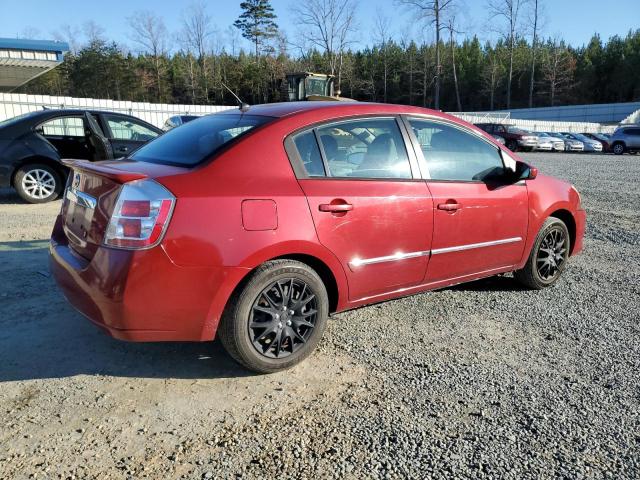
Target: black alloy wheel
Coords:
[[283, 318], [551, 255]]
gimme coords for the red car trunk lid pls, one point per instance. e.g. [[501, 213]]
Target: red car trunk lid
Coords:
[[91, 194]]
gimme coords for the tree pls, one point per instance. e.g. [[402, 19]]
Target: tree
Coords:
[[559, 67], [257, 22], [383, 38], [433, 11], [536, 13], [452, 44], [197, 29], [328, 25], [149, 32], [509, 11]]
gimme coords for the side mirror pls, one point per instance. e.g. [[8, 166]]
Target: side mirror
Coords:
[[524, 171]]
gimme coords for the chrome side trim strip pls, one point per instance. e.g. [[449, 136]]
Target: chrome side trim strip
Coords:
[[470, 246], [360, 262], [81, 198]]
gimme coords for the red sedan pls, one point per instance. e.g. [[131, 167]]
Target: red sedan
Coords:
[[254, 225]]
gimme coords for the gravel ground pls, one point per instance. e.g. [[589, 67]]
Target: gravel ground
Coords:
[[483, 380]]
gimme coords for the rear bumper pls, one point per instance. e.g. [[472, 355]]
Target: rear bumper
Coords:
[[581, 222], [142, 295]]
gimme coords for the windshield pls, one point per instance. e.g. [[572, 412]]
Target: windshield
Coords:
[[579, 136], [517, 130], [198, 140]]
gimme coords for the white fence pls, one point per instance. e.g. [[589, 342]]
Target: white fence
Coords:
[[536, 125], [13, 104]]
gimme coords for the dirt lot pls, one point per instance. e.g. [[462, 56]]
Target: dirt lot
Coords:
[[483, 380]]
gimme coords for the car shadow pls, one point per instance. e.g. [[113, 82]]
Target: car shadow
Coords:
[[490, 284], [8, 196], [42, 336]]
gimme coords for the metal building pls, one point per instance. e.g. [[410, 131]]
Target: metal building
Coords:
[[23, 60]]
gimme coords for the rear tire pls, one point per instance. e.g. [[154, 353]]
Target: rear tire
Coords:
[[548, 257], [277, 318], [618, 148], [37, 183]]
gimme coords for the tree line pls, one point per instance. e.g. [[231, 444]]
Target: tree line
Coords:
[[453, 72]]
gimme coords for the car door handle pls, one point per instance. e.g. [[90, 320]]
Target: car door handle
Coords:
[[335, 207], [449, 206], [122, 149]]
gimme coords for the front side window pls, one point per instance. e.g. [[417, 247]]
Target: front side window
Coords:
[[196, 141], [123, 128], [368, 148], [455, 155]]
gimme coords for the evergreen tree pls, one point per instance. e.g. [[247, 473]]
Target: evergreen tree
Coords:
[[257, 22]]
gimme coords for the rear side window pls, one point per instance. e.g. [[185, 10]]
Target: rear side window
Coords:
[[307, 147], [455, 155], [195, 142], [632, 131], [370, 148]]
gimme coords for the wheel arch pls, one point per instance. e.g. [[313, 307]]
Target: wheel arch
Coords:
[[314, 255], [56, 165], [569, 220]]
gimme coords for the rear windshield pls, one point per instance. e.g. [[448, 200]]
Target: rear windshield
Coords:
[[196, 141]]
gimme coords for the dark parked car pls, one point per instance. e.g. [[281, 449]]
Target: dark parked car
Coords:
[[515, 138], [177, 120], [253, 225], [32, 145], [605, 140]]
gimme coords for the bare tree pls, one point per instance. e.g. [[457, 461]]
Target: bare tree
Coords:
[[197, 29], [452, 32], [558, 68], [491, 75], [382, 38], [328, 25], [233, 40], [434, 12], [93, 31], [536, 14], [69, 34], [148, 31], [509, 11]]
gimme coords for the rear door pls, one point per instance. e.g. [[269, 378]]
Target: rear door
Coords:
[[126, 134], [369, 206], [67, 135], [480, 214]]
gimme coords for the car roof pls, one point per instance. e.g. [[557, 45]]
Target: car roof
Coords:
[[286, 109]]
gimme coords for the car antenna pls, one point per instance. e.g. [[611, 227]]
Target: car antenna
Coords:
[[241, 105]]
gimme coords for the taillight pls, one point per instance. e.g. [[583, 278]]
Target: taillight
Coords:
[[141, 215]]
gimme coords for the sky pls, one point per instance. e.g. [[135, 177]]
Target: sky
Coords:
[[573, 20]]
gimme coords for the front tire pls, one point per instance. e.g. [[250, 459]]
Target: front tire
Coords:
[[618, 148], [37, 183], [512, 145], [548, 257], [277, 318]]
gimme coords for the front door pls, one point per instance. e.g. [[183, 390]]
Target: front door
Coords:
[[126, 134], [480, 214], [367, 207]]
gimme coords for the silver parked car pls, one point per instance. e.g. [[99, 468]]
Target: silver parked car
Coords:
[[571, 144], [550, 142], [590, 145], [177, 120], [626, 139]]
